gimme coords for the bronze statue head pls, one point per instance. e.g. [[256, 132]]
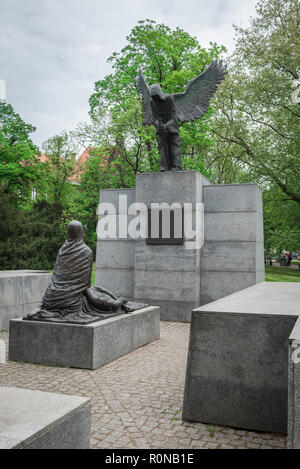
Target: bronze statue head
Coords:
[[75, 230], [156, 93]]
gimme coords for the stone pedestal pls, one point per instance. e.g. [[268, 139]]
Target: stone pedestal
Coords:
[[237, 369], [43, 420], [82, 346], [171, 276]]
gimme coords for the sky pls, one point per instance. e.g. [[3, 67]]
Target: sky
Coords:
[[53, 51]]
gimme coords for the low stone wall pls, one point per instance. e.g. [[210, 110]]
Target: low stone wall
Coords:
[[43, 420], [21, 292]]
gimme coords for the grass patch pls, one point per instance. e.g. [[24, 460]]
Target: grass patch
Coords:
[[211, 430], [175, 416], [93, 273], [282, 274]]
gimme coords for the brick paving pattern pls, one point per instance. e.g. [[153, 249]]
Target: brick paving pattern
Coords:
[[137, 399]]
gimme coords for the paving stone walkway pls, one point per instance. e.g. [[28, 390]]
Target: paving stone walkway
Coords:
[[137, 399]]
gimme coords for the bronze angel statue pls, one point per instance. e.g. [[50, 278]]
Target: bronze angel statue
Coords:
[[164, 110]]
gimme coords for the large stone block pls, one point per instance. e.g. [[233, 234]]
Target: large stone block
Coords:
[[43, 420], [9, 312], [167, 285], [294, 388], [232, 198], [260, 259], [119, 281], [112, 196], [34, 286], [237, 370], [170, 187], [21, 292], [217, 284], [116, 254], [180, 311], [166, 257], [82, 346], [10, 289], [229, 256], [230, 226], [233, 255], [116, 227]]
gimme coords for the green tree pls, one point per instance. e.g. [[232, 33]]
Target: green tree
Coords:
[[168, 57], [59, 166], [19, 167], [256, 126], [29, 239]]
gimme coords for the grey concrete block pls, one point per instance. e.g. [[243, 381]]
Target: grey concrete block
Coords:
[[112, 196], [260, 276], [233, 256], [82, 346], [169, 187], [9, 312], [119, 226], [260, 257], [43, 420], [117, 254], [232, 198], [215, 285], [34, 287], [178, 311], [230, 226], [259, 228], [117, 338], [229, 256], [20, 292], [294, 388], [237, 373], [11, 290], [51, 343], [9, 443], [167, 285], [166, 257], [119, 281], [225, 384]]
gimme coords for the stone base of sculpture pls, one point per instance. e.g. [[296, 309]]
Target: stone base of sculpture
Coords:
[[172, 276], [82, 345]]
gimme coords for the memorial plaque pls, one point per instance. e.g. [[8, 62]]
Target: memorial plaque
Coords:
[[165, 226]]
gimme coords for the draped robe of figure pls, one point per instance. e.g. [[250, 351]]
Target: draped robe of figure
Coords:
[[69, 296]]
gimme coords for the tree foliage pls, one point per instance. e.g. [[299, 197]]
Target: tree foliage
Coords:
[[59, 166], [256, 126], [19, 168], [168, 57], [29, 239]]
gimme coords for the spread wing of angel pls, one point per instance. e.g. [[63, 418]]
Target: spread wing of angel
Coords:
[[164, 110]]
